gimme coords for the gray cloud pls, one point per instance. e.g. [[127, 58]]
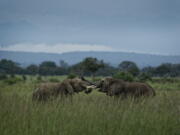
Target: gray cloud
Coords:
[[131, 25]]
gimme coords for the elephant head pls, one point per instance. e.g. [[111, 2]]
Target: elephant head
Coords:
[[103, 85], [111, 86], [81, 84]]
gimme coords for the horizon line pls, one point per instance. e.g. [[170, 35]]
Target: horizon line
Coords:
[[105, 51]]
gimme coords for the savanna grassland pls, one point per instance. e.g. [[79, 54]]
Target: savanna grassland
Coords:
[[93, 114]]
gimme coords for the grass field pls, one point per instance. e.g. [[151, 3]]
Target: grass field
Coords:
[[94, 114]]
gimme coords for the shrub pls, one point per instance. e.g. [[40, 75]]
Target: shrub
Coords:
[[165, 80], [12, 76], [11, 81], [95, 79], [71, 76], [53, 80], [144, 77], [39, 78], [126, 76], [24, 77], [3, 76]]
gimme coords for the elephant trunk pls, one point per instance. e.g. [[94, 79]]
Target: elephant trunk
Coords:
[[91, 83]]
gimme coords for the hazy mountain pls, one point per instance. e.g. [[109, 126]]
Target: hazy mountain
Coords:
[[113, 58]]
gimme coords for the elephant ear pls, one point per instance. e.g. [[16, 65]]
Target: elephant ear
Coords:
[[82, 78], [99, 84], [107, 84], [110, 81], [116, 87], [69, 88]]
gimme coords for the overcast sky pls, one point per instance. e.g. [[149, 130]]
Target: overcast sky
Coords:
[[147, 26]]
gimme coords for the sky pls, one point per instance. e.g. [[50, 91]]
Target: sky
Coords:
[[57, 26]]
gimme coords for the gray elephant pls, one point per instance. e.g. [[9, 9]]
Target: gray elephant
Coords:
[[66, 88], [117, 87]]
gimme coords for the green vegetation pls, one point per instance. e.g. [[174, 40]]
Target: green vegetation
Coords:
[[71, 76], [39, 78], [12, 80], [92, 65], [94, 114], [89, 67], [3, 76], [53, 80], [143, 77], [126, 76], [129, 66]]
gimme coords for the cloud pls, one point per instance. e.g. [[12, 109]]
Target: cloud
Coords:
[[56, 48]]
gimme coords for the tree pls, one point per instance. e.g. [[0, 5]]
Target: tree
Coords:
[[129, 66], [61, 71], [92, 65], [166, 69], [163, 69], [47, 68], [107, 70], [78, 69], [63, 64], [149, 70], [32, 69], [10, 67], [175, 70], [126, 76], [144, 77]]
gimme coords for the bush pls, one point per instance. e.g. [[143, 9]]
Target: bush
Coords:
[[11, 81], [126, 76], [39, 78], [165, 80], [144, 77], [3, 76], [12, 76], [95, 79], [71, 76], [53, 80], [24, 77]]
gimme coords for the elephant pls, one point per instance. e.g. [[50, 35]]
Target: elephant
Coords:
[[118, 87], [66, 88], [45, 91]]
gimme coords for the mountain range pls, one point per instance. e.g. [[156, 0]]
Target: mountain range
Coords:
[[113, 58]]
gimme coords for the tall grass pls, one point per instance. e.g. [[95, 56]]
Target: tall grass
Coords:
[[94, 114]]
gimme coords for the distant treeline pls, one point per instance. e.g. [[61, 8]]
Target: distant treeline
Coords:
[[89, 67]]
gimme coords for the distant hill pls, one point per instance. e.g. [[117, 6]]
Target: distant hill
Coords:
[[113, 58]]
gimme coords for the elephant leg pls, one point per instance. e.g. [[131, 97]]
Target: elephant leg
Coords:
[[71, 98], [69, 90]]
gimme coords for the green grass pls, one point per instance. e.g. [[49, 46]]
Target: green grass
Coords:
[[94, 114]]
